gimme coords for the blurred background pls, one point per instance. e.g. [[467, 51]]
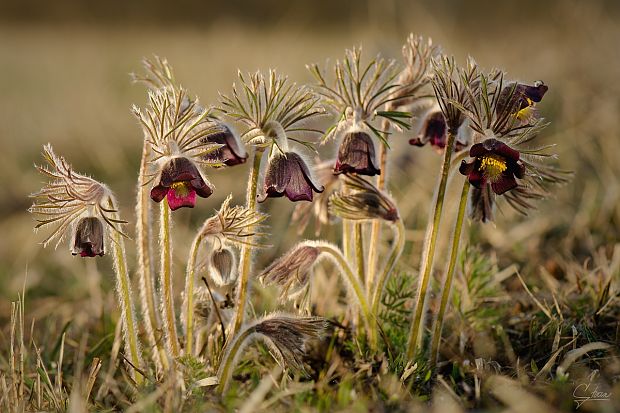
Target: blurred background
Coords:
[[64, 79]]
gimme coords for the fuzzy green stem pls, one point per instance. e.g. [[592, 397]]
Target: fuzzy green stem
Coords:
[[397, 250], [359, 251], [375, 227], [429, 248], [228, 361], [246, 251], [447, 284], [345, 269], [189, 293], [123, 291], [167, 305], [145, 265]]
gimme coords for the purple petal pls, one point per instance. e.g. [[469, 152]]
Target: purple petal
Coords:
[[505, 183]]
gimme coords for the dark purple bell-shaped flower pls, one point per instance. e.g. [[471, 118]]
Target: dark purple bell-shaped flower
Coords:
[[179, 182], [88, 238], [494, 163], [232, 153], [434, 131], [519, 99], [356, 154], [288, 175]]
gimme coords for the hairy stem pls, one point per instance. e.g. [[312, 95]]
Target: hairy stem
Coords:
[[397, 250], [245, 263], [123, 292], [145, 265], [375, 228], [359, 251], [429, 248], [189, 293], [349, 277], [447, 284], [224, 372], [165, 274]]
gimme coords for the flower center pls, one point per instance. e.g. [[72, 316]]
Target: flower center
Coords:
[[492, 166], [181, 188]]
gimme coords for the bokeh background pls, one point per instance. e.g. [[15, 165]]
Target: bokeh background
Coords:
[[64, 79]]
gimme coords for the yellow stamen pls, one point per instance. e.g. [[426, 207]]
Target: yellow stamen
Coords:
[[181, 189], [492, 166]]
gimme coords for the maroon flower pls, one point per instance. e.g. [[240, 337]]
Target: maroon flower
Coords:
[[434, 131], [88, 238], [357, 154], [180, 182], [231, 153], [520, 98], [288, 175], [495, 163]]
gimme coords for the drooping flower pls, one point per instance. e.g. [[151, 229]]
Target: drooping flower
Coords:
[[356, 154], [291, 272], [318, 209], [434, 131], [495, 163], [363, 201], [288, 175], [519, 99], [232, 152], [76, 204], [88, 240], [179, 182], [223, 266]]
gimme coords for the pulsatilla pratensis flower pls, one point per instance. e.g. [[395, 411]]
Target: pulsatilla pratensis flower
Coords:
[[292, 271], [494, 163], [288, 175], [88, 238], [231, 153], [223, 268], [519, 99], [434, 131], [179, 182], [356, 154], [74, 204], [362, 202]]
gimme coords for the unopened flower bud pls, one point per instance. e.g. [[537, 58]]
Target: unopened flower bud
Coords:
[[292, 270]]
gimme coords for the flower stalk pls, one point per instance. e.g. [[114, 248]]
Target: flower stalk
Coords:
[[167, 304], [375, 226], [447, 284], [145, 265], [189, 292], [429, 248], [247, 249], [123, 291]]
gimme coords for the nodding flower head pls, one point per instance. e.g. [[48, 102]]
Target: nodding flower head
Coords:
[[364, 201], [88, 238], [288, 175], [519, 99], [291, 272], [231, 153], [222, 264], [356, 154], [495, 163], [75, 203], [435, 132], [179, 182]]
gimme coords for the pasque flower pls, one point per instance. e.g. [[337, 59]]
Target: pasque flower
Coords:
[[495, 163], [356, 154], [434, 132], [88, 238], [288, 175], [232, 152], [179, 182], [519, 99]]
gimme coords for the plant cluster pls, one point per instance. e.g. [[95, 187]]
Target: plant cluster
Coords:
[[484, 126]]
